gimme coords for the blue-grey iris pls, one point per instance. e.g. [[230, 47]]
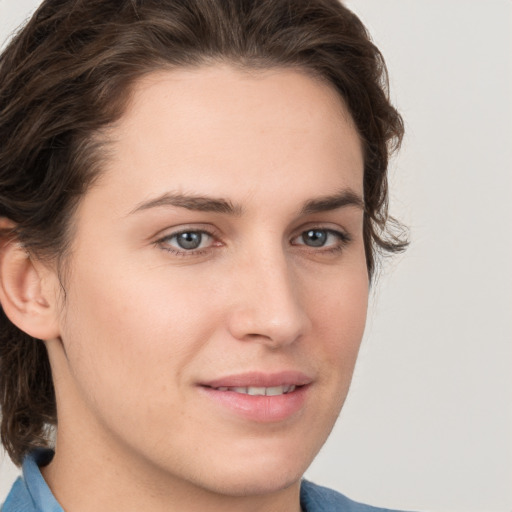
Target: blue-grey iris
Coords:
[[189, 240], [315, 237]]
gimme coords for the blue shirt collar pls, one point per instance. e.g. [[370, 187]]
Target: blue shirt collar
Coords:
[[30, 492], [37, 487]]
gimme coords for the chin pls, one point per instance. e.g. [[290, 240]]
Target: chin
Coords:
[[261, 473], [256, 483]]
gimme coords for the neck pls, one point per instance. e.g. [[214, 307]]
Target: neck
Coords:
[[81, 481]]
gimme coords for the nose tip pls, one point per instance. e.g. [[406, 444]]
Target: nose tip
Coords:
[[266, 327], [268, 309]]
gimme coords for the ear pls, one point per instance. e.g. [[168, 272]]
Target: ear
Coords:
[[28, 291]]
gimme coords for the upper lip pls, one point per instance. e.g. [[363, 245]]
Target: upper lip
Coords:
[[260, 379]]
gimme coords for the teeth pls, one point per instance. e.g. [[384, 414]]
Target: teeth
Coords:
[[260, 391], [256, 391], [276, 390]]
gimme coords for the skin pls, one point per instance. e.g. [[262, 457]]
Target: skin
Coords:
[[142, 326]]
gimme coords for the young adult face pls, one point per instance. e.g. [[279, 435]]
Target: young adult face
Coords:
[[219, 256]]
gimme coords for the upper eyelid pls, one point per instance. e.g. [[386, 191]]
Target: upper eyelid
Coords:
[[344, 236], [164, 238], [169, 232], [181, 231], [335, 229]]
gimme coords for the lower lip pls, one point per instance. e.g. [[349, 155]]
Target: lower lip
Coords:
[[259, 408]]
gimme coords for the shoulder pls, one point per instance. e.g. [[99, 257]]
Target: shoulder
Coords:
[[315, 498]]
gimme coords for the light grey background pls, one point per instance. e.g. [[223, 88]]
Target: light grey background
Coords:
[[428, 424]]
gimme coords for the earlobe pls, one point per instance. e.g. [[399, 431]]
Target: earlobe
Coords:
[[26, 297]]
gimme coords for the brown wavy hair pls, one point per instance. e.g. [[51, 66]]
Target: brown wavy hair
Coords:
[[68, 73]]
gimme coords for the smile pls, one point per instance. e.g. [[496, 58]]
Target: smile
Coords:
[[263, 400], [259, 391]]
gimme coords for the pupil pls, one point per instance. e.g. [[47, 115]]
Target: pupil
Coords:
[[315, 237], [189, 240]]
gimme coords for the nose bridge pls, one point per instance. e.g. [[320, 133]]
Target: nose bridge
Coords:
[[267, 306]]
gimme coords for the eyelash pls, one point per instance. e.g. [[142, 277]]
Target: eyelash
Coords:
[[164, 243], [343, 240]]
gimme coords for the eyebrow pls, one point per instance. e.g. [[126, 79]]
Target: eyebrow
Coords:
[[341, 199], [189, 202]]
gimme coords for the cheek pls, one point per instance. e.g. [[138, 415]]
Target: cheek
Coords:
[[135, 326], [339, 320]]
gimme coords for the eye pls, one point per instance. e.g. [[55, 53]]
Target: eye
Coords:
[[186, 241], [321, 237]]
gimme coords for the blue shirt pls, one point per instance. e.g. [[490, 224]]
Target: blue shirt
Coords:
[[31, 494]]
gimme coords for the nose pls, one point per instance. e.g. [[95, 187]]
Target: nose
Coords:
[[266, 305]]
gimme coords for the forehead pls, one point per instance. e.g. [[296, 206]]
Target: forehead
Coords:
[[220, 129], [225, 88]]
